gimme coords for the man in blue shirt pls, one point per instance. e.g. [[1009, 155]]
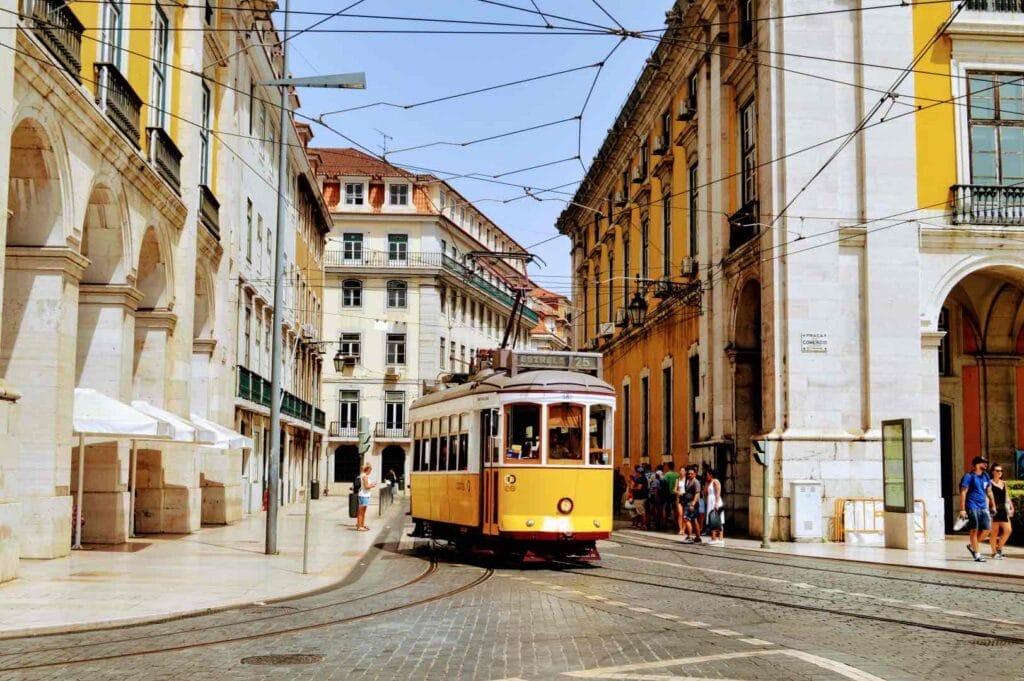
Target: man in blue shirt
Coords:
[[975, 501]]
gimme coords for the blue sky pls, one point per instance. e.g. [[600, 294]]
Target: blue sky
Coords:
[[406, 68]]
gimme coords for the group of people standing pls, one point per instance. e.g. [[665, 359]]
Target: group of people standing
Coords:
[[664, 499]]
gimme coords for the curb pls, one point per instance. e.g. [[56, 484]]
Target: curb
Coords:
[[127, 622]]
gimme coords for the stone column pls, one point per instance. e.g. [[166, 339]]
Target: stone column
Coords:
[[202, 374], [927, 451], [38, 351], [10, 509], [153, 329]]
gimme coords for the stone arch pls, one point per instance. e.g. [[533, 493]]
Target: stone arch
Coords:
[[105, 237], [154, 277], [1008, 266], [746, 321], [205, 309], [37, 187], [745, 355]]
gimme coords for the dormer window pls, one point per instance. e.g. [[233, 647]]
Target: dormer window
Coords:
[[354, 193], [398, 194]]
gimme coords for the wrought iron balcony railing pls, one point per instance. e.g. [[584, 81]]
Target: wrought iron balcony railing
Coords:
[[253, 387], [209, 211], [743, 225], [319, 418], [975, 204], [344, 430], [336, 257], [57, 27], [390, 431], [118, 100], [996, 5], [165, 157]]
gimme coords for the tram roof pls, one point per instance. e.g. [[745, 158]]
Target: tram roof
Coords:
[[527, 381]]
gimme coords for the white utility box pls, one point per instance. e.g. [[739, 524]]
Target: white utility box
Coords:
[[805, 509]]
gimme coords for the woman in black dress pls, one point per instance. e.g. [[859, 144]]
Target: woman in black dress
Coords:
[[1001, 528]]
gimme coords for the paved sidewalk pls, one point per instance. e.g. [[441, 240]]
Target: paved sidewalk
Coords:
[[950, 554], [159, 576]]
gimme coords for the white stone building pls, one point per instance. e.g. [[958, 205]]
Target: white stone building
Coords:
[[406, 298]]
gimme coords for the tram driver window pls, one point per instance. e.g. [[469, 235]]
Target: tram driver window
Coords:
[[522, 433], [565, 434], [600, 436]]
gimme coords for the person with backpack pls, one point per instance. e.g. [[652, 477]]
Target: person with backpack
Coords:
[[975, 501], [363, 487]]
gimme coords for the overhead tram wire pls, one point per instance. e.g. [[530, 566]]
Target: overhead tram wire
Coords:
[[489, 138], [548, 14], [586, 101]]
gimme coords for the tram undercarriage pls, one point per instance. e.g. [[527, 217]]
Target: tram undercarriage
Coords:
[[522, 547]]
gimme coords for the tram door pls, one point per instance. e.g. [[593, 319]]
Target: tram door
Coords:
[[490, 472]]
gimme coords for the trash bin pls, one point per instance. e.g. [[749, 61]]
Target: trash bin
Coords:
[[353, 504], [314, 489], [401, 483]]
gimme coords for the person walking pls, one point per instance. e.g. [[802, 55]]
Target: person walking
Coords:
[[365, 485], [1001, 528], [671, 484], [640, 495], [975, 501], [688, 511], [716, 509]]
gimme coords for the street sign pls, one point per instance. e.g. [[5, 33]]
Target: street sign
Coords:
[[897, 466]]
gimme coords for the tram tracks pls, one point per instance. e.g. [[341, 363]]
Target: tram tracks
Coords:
[[30, 657]]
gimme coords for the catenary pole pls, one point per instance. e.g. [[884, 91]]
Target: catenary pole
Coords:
[[274, 476]]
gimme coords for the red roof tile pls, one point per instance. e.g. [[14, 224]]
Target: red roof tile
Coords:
[[354, 162]]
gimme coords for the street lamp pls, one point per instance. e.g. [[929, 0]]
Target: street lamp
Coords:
[[351, 80], [637, 310], [339, 362]]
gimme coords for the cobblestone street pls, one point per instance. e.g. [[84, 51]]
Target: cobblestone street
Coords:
[[651, 609]]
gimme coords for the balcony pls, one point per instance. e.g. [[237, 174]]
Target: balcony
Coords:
[[57, 27], [343, 430], [467, 275], [253, 387], [319, 418], [380, 259], [744, 225], [117, 99], [988, 205], [165, 157], [995, 5], [390, 431], [209, 211]]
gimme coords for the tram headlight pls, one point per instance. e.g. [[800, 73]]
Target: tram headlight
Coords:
[[565, 505], [529, 522]]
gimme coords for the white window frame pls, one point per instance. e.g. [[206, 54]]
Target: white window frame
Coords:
[[112, 21], [360, 195], [400, 253], [392, 187], [159, 84], [345, 289], [400, 290], [355, 255], [350, 344], [396, 349]]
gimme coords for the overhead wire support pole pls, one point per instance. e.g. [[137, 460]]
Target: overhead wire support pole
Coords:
[[274, 474]]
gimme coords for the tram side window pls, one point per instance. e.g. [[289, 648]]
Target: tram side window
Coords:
[[463, 451], [432, 463], [415, 455], [600, 436], [522, 433], [453, 451], [565, 434]]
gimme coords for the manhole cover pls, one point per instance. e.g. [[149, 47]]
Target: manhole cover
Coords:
[[276, 660]]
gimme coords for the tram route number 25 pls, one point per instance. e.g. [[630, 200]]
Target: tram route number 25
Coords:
[[510, 482]]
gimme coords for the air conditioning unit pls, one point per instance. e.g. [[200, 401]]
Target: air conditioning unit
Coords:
[[689, 266], [621, 319], [606, 330], [308, 331], [661, 145], [686, 112], [392, 372], [621, 198], [639, 175]]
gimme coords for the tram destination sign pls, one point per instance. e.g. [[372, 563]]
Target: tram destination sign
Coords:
[[583, 362]]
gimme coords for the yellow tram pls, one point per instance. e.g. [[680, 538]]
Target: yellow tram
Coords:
[[517, 460]]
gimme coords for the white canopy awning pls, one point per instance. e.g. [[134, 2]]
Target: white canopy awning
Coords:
[[183, 429], [97, 414], [225, 437]]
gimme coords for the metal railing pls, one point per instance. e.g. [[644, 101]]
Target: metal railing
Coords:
[[165, 157], [996, 5], [975, 204], [346, 430], [467, 275], [319, 418], [57, 27], [118, 99], [209, 211], [384, 431], [336, 257], [253, 387], [743, 225]]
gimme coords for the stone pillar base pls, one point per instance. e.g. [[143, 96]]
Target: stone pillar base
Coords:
[[222, 505], [10, 551], [168, 510], [45, 527], [105, 518], [899, 530]]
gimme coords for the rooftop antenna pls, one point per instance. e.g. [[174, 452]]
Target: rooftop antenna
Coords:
[[384, 142]]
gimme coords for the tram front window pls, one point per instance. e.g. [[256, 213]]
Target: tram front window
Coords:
[[522, 433], [600, 436], [565, 434]]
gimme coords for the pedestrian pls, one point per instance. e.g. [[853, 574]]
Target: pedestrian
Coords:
[[975, 501], [619, 487], [654, 499], [365, 485], [641, 491], [671, 504], [716, 508], [689, 526], [1001, 527]]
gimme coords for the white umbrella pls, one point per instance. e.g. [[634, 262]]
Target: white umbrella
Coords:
[[225, 437]]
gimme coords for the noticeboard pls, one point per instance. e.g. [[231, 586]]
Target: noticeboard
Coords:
[[897, 466]]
